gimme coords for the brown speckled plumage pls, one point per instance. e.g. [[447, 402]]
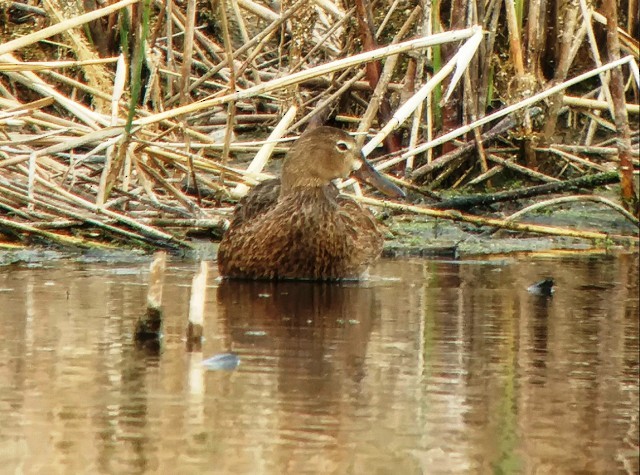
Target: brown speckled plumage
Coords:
[[300, 227]]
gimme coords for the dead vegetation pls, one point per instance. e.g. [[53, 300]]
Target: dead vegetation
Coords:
[[142, 121]]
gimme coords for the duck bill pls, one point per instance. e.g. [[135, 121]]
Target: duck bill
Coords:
[[367, 174]]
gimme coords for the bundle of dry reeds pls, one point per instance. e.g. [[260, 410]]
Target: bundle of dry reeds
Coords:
[[132, 123]]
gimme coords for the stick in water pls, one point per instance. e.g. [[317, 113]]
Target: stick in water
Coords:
[[196, 308], [149, 327]]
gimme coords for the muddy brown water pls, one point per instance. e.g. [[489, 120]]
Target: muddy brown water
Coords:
[[429, 367]]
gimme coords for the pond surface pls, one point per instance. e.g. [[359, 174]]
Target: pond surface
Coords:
[[429, 367]]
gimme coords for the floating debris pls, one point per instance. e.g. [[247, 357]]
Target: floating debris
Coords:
[[255, 333], [222, 362], [544, 287]]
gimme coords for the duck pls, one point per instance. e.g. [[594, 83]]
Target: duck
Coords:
[[299, 226]]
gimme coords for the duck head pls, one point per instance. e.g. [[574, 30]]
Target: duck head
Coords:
[[325, 153]]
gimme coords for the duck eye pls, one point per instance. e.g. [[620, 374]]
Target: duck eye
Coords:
[[342, 146]]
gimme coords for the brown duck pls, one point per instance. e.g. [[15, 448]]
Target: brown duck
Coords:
[[299, 226]]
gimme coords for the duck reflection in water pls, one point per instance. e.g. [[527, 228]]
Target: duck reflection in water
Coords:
[[299, 226], [314, 329]]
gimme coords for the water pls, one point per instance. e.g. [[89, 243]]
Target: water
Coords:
[[430, 367]]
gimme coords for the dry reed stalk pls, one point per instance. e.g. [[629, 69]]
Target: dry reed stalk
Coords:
[[258, 10], [260, 160], [364, 15], [574, 199], [628, 196], [499, 223], [502, 127], [60, 209], [46, 138], [524, 79], [490, 173], [185, 75], [514, 38], [596, 119], [593, 44], [249, 147], [490, 25], [178, 160], [604, 78], [246, 39], [187, 52], [170, 59], [321, 107], [30, 80], [330, 8], [48, 65], [522, 170], [43, 119], [319, 44], [96, 74], [473, 116], [231, 106], [380, 90], [111, 149], [61, 27], [502, 112], [425, 30], [596, 104], [317, 71], [629, 43], [159, 236], [589, 149], [459, 61], [159, 180], [562, 68], [372, 110], [203, 46], [259, 40], [575, 158], [535, 36], [60, 239]]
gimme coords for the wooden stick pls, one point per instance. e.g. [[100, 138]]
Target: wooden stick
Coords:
[[588, 181]]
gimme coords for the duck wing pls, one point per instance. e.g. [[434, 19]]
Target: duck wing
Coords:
[[314, 234], [366, 235], [260, 199]]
